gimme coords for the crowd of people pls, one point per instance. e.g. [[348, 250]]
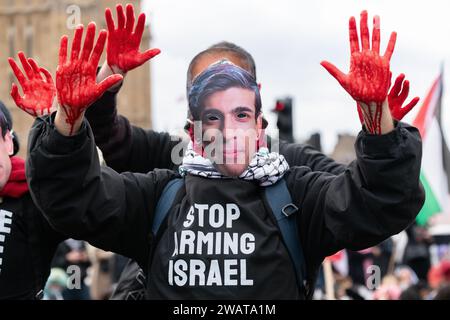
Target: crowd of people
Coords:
[[104, 209]]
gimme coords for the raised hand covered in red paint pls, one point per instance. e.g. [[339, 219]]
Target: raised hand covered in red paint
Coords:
[[76, 82], [37, 86], [368, 80], [396, 97], [123, 42]]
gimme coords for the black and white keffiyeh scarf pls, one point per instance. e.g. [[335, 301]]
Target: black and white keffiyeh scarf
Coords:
[[265, 167]]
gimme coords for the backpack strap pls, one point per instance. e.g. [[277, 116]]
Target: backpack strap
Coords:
[[165, 203], [162, 209], [283, 209]]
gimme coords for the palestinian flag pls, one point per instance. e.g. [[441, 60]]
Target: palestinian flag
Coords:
[[435, 170]]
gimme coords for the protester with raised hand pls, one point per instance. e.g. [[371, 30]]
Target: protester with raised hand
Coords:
[[378, 195]]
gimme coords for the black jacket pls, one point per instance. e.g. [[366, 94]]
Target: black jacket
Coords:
[[130, 148], [28, 245], [377, 196]]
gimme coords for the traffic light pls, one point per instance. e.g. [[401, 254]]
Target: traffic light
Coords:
[[283, 108]]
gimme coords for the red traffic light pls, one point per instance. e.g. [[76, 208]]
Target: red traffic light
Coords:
[[279, 106]]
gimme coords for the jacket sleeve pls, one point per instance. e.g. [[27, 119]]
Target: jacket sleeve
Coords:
[[378, 195], [86, 201], [126, 147], [297, 155]]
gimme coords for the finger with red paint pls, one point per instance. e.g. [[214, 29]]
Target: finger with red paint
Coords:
[[397, 96], [38, 91], [76, 83], [124, 40]]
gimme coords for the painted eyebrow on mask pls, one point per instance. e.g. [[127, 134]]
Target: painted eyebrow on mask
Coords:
[[242, 109], [220, 114]]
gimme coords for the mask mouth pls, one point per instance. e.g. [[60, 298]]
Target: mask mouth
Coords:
[[231, 157], [231, 152], [232, 148]]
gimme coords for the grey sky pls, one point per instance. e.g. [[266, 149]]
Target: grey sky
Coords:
[[288, 39]]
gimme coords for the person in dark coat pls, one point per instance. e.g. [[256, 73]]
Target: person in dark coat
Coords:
[[27, 242]]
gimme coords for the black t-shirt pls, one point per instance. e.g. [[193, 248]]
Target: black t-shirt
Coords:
[[221, 242], [27, 245]]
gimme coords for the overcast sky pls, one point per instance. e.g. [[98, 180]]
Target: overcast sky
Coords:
[[288, 39]]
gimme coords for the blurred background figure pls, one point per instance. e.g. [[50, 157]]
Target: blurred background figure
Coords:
[[72, 257], [100, 273], [56, 284]]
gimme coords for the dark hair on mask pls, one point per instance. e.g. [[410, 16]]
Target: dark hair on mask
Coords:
[[223, 47], [219, 77]]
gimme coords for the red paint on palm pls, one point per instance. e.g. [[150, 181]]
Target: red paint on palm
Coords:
[[37, 86], [124, 41], [368, 80], [76, 82], [397, 96]]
